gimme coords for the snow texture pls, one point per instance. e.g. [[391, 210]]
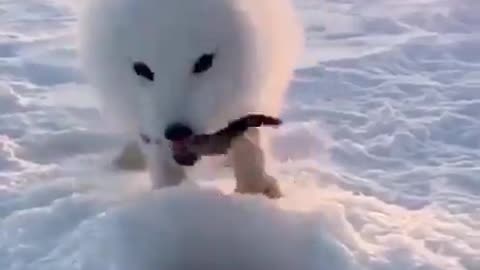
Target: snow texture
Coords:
[[379, 157]]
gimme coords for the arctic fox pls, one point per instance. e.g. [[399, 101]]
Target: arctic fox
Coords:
[[169, 69]]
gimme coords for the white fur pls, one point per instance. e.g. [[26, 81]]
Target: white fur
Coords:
[[257, 43]]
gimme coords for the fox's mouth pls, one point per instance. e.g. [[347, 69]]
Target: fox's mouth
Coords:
[[179, 136], [182, 153]]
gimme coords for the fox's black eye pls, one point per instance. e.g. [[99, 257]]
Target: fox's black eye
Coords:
[[204, 63], [142, 70]]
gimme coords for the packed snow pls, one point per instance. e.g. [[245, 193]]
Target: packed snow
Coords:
[[379, 158]]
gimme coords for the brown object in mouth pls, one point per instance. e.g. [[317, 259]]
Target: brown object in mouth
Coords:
[[219, 142]]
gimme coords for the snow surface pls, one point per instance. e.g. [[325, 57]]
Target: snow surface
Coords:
[[380, 156]]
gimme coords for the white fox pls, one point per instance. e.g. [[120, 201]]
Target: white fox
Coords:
[[169, 69]]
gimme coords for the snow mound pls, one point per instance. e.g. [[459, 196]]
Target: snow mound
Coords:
[[208, 227], [191, 228]]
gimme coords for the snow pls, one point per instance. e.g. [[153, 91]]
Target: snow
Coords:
[[385, 105]]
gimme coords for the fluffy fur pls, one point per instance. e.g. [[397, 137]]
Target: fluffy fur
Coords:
[[256, 43]]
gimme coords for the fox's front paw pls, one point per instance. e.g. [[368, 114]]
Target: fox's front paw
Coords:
[[131, 158], [267, 186]]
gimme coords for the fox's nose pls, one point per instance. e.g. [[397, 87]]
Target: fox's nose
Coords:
[[178, 132]]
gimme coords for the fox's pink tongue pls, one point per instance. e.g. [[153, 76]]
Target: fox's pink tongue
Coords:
[[180, 146]]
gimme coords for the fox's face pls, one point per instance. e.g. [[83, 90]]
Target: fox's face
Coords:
[[186, 63]]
